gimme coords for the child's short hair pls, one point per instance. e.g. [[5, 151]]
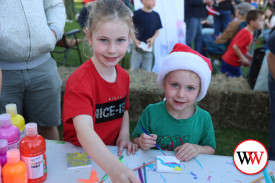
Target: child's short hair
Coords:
[[253, 15], [183, 57]]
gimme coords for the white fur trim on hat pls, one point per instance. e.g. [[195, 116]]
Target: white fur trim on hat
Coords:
[[187, 60]]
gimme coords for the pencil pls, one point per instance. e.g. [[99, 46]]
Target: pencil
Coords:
[[143, 165], [106, 175], [157, 146], [270, 173], [144, 171]]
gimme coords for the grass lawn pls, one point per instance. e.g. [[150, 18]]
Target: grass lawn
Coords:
[[226, 139]]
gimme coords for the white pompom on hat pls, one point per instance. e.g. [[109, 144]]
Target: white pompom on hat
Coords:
[[183, 57]]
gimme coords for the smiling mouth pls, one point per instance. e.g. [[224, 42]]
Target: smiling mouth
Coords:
[[110, 59], [177, 102]]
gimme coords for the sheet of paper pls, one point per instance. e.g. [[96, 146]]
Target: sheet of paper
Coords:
[[144, 47], [168, 164], [78, 160]]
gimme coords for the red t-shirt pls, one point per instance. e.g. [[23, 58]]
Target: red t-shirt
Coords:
[[242, 39], [88, 93]]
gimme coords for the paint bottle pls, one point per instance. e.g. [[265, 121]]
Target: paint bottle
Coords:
[[14, 171], [32, 148], [3, 151], [0, 172], [9, 131], [16, 119]]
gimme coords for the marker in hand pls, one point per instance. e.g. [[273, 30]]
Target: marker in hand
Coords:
[[157, 146]]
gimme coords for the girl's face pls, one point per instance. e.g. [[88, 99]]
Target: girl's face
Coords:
[[268, 13], [181, 91], [109, 40]]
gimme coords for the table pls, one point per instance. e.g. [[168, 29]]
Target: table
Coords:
[[204, 168]]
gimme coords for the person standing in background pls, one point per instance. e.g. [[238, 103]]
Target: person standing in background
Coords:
[[147, 22], [224, 7], [195, 10], [271, 91], [30, 76]]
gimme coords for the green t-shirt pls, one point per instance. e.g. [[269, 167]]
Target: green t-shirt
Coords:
[[172, 132]]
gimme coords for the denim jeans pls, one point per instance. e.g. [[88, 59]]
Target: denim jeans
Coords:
[[222, 21], [271, 91], [193, 33]]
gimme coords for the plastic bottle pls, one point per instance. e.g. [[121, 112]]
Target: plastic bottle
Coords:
[[16, 119], [9, 131], [14, 171], [32, 148], [0, 173], [3, 151]]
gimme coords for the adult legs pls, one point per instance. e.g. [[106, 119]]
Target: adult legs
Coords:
[[193, 33], [271, 90], [42, 98], [198, 39], [226, 19]]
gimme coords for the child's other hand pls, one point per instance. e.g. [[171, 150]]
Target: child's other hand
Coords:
[[186, 151], [137, 43], [146, 142], [125, 142], [123, 174], [150, 42], [245, 62]]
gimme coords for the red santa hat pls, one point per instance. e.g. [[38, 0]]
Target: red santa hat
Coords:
[[183, 57]]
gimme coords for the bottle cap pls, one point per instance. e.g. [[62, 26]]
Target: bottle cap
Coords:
[[3, 146], [13, 156], [11, 109], [5, 120], [31, 129]]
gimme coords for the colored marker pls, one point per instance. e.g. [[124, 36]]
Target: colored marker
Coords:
[[144, 171], [143, 165], [106, 175], [157, 146], [266, 176], [140, 175]]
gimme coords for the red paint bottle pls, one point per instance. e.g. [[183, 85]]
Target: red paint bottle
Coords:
[[32, 149]]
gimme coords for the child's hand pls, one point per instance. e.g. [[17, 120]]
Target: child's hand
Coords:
[[137, 42], [146, 142], [245, 62], [123, 174], [150, 42], [125, 142], [186, 151]]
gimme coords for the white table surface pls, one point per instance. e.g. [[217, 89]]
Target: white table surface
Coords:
[[203, 168]]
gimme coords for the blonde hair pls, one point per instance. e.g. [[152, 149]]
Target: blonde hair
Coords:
[[104, 10]]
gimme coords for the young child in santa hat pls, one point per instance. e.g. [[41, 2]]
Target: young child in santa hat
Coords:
[[178, 124]]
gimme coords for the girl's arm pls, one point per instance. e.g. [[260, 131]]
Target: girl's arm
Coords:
[[97, 150], [123, 139]]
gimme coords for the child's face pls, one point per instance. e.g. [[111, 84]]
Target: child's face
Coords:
[[181, 91], [268, 12], [258, 23], [109, 40], [149, 4]]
